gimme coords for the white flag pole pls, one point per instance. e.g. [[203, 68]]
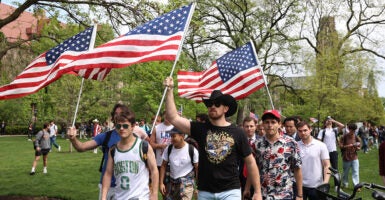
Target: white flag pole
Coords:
[[173, 67], [91, 46], [263, 75]]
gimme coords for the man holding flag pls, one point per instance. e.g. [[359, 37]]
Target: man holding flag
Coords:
[[221, 144]]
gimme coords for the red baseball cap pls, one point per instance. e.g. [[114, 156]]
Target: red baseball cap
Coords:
[[275, 113]]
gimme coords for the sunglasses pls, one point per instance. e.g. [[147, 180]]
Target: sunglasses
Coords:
[[119, 126], [211, 103]]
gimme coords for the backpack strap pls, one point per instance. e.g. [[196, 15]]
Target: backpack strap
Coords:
[[324, 131], [144, 145], [104, 148], [169, 148], [323, 134], [191, 153], [112, 151]]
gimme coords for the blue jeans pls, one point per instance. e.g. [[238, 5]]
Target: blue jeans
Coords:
[[365, 145], [354, 164], [53, 141], [234, 194]]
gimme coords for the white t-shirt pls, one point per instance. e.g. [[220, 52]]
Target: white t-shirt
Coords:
[[180, 161], [329, 139], [312, 155], [52, 130], [162, 138]]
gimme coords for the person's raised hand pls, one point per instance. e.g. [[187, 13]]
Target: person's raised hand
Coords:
[[71, 133]]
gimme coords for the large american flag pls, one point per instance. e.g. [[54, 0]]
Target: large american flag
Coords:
[[45, 68], [159, 39], [236, 73]]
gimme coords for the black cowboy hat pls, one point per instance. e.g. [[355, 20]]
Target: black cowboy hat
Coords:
[[225, 99]]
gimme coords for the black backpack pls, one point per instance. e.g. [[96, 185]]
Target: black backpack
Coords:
[[191, 145]]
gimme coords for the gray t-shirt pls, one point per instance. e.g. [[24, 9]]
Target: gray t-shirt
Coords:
[[42, 140]]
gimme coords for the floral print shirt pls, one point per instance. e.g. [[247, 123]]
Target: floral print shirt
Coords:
[[276, 162]]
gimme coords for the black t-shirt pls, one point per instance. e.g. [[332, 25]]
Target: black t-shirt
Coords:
[[220, 149]]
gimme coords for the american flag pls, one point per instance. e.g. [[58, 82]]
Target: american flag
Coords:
[[45, 68], [253, 115], [235, 73], [313, 120], [159, 39]]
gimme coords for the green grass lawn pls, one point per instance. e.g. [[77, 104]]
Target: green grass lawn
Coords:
[[70, 175], [76, 176]]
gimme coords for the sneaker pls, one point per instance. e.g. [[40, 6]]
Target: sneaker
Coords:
[[59, 149], [32, 173], [44, 170]]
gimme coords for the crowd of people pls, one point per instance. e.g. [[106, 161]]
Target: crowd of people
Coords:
[[276, 158]]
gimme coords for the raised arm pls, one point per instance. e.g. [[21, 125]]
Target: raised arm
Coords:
[[80, 146], [172, 116]]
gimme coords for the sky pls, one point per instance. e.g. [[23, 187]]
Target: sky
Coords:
[[380, 63], [381, 83]]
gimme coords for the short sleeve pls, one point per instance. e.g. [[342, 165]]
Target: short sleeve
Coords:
[[165, 153], [99, 138], [324, 152], [196, 156]]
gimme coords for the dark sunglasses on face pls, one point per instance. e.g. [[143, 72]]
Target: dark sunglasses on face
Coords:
[[211, 103], [119, 126]]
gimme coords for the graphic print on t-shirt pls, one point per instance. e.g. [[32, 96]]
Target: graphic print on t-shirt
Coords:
[[219, 145]]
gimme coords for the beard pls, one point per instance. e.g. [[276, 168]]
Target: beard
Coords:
[[215, 116]]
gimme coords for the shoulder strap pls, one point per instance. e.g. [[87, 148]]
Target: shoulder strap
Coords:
[[104, 148], [106, 140], [191, 153], [323, 131], [169, 148], [112, 151], [144, 151]]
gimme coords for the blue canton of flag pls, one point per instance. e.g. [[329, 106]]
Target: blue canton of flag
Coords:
[[235, 61], [236, 73], [79, 42], [167, 24]]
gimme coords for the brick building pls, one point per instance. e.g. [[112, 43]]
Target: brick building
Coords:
[[21, 28]]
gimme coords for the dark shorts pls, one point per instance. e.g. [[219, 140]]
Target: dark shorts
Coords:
[[42, 151]]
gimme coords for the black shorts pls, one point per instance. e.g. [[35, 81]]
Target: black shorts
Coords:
[[42, 151]]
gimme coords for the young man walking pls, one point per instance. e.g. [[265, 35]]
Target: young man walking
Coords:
[[278, 157], [350, 144], [183, 168], [315, 161], [42, 147], [99, 140], [127, 162]]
